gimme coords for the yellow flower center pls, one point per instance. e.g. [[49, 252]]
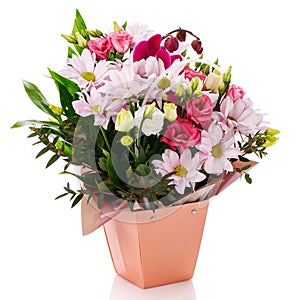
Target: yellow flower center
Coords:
[[89, 76], [217, 151], [95, 108], [180, 171]]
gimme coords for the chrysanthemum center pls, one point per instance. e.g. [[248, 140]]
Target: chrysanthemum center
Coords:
[[180, 171], [217, 151], [89, 76], [95, 108]]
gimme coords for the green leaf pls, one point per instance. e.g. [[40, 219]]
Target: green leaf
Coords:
[[102, 162], [248, 178], [242, 158], [77, 200], [79, 25], [64, 147], [71, 52], [70, 85], [144, 170], [38, 99], [43, 151], [52, 160], [100, 199], [60, 196], [246, 167]]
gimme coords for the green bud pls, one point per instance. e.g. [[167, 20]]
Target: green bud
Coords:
[[69, 38], [227, 75], [99, 33], [80, 40], [179, 90], [117, 27], [164, 83], [188, 91], [83, 33], [272, 131], [126, 140], [165, 97], [196, 85], [149, 110], [57, 110]]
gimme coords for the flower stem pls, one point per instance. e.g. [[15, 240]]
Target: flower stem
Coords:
[[105, 138]]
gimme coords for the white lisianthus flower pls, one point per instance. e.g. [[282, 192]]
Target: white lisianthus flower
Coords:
[[170, 110], [124, 121], [212, 82], [152, 123]]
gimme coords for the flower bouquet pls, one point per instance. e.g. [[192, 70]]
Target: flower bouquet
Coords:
[[153, 131]]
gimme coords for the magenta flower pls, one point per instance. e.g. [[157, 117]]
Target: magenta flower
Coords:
[[185, 168], [145, 49]]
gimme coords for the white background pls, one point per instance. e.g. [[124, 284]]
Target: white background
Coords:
[[250, 247]]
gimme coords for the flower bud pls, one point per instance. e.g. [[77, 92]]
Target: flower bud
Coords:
[[170, 110], [69, 38], [126, 140], [227, 75], [117, 27], [212, 82], [171, 43], [179, 90], [196, 85], [149, 110], [164, 83], [197, 46], [80, 40], [181, 35], [272, 131], [94, 33], [124, 121], [55, 109], [270, 141]]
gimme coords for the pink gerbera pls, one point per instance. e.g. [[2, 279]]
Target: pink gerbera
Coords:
[[185, 168]]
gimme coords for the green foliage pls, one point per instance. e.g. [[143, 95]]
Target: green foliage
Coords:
[[79, 26], [38, 99]]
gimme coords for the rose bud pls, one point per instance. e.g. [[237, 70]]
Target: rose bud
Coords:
[[197, 46], [181, 35], [171, 43]]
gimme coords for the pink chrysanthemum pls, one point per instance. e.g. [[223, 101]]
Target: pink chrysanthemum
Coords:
[[85, 70], [215, 149], [103, 108], [185, 168]]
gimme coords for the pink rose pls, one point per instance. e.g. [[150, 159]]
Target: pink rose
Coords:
[[200, 111], [101, 47], [181, 134], [190, 74], [235, 92], [121, 40]]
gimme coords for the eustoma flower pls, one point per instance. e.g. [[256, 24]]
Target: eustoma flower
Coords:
[[181, 134], [185, 168]]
